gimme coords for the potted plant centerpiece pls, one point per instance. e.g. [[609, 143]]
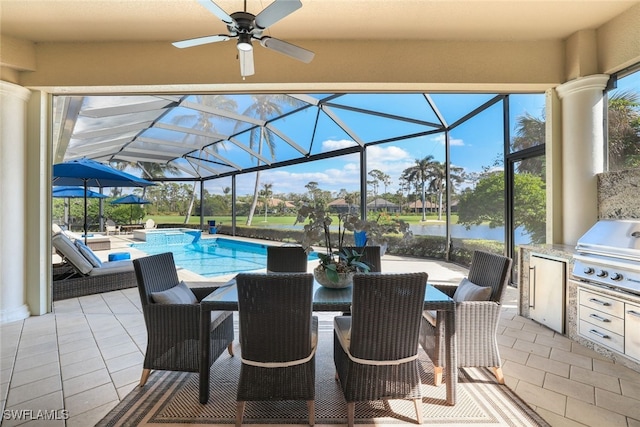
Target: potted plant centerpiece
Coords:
[[376, 232], [337, 264]]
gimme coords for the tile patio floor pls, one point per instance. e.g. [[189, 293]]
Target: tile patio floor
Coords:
[[87, 355]]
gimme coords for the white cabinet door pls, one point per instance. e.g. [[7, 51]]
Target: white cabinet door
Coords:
[[547, 291], [632, 331]]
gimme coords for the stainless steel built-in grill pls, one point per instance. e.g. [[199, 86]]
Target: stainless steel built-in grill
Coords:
[[609, 255], [607, 272]]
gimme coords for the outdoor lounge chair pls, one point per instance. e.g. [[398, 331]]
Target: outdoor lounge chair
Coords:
[[111, 227], [96, 242], [82, 272], [150, 224], [278, 338], [375, 350], [172, 317], [476, 317]]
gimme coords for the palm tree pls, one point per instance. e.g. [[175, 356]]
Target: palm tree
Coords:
[[350, 198], [312, 188], [437, 177], [266, 193], [624, 130], [405, 184], [201, 121], [264, 107], [529, 132], [419, 173], [378, 177], [151, 170]]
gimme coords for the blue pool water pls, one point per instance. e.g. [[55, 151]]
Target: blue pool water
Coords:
[[210, 257], [172, 236]]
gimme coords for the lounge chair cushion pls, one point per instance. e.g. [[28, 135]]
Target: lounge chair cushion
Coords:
[[55, 229], [122, 266], [179, 294], [66, 247], [88, 254], [469, 291]]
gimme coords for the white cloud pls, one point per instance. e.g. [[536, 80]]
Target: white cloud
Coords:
[[387, 154], [332, 144], [452, 141]]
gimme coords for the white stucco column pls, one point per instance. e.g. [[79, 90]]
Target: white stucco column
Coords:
[[582, 153], [13, 226]]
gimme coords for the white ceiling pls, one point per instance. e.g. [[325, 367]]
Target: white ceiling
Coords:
[[159, 20]]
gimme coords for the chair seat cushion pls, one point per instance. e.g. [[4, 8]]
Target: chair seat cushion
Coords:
[[469, 291], [179, 294]]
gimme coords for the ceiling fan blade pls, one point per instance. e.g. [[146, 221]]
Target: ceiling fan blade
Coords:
[[246, 63], [288, 49], [275, 12], [201, 40], [217, 10]]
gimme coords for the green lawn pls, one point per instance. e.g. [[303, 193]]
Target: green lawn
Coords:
[[259, 220]]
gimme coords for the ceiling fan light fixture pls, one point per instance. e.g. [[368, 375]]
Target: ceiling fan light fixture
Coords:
[[244, 43]]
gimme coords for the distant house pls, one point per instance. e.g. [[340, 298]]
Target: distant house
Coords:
[[417, 206], [381, 204], [341, 206], [431, 207], [275, 204]]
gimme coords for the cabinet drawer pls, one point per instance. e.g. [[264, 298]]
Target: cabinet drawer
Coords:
[[601, 336], [602, 303], [602, 320], [632, 331]]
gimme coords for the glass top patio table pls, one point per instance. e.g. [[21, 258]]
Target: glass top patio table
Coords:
[[324, 299], [334, 300]]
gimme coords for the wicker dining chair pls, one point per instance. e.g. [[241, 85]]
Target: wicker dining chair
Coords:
[[376, 348], [286, 259], [476, 321], [278, 338], [173, 328], [370, 255]]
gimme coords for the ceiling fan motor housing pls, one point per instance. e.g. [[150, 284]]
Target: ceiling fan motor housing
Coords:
[[244, 23]]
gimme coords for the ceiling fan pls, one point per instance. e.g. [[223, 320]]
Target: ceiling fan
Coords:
[[246, 27]]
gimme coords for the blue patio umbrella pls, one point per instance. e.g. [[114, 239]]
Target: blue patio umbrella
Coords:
[[131, 199], [69, 192], [90, 173]]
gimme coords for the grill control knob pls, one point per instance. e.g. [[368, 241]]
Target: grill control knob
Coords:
[[602, 273], [616, 276], [588, 270]]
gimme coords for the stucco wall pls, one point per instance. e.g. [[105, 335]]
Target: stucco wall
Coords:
[[441, 64]]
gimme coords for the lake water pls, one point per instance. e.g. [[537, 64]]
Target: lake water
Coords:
[[481, 231]]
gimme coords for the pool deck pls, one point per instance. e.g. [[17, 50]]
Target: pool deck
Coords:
[[87, 355]]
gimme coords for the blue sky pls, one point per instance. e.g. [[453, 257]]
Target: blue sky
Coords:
[[474, 145]]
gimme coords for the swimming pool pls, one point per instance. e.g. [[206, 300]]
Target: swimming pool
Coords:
[[212, 257]]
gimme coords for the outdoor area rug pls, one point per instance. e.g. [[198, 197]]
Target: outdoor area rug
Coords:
[[171, 398]]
